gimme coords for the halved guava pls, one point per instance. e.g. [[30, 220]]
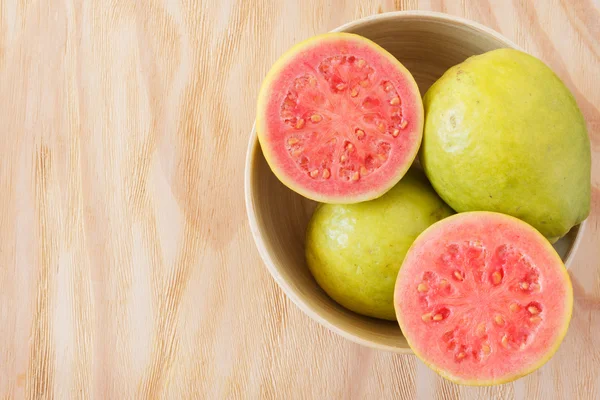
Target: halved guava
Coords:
[[339, 119], [483, 298]]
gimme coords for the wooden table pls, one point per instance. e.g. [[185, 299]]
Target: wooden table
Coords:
[[127, 268]]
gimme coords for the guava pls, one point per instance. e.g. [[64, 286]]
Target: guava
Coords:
[[483, 298], [503, 133], [339, 119], [354, 251]]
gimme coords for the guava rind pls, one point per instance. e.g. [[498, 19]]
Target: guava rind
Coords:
[[503, 133], [355, 251]]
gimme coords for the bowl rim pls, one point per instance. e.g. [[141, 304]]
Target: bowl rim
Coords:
[[251, 159], [439, 16]]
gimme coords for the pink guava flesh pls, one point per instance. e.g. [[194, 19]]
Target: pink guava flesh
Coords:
[[342, 120], [483, 297]]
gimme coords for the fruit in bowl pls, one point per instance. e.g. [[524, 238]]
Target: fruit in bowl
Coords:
[[339, 119], [481, 296], [503, 133], [355, 251]]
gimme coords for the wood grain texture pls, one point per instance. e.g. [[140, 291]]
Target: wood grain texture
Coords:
[[127, 267]]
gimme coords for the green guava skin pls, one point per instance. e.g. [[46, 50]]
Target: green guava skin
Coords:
[[503, 133], [354, 251]]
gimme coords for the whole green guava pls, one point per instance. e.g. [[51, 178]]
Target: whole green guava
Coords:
[[354, 251], [503, 133]]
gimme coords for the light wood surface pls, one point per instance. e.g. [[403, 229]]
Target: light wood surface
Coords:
[[127, 266]]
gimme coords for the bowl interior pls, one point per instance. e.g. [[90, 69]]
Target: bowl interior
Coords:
[[427, 44]]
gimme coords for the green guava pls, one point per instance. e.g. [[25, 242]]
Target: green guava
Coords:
[[354, 251], [503, 133]]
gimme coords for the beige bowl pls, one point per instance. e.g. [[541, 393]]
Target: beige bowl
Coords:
[[427, 44]]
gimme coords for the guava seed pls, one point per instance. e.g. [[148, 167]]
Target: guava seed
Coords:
[[316, 118], [314, 173], [458, 275], [480, 330], [426, 317], [498, 319], [292, 141], [496, 277], [403, 124], [441, 314], [535, 320], [533, 310], [395, 132], [486, 349], [524, 285], [300, 123], [395, 101], [360, 133], [422, 287], [504, 341], [326, 173], [354, 92], [361, 63], [514, 307]]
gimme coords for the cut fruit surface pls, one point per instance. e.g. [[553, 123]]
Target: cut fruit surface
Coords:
[[483, 298], [339, 119]]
